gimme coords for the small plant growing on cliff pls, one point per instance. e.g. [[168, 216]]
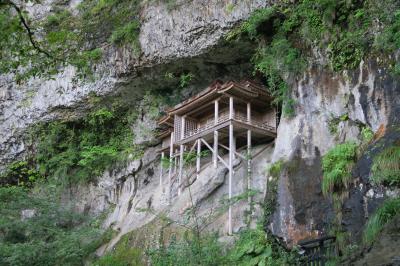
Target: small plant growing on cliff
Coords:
[[336, 165], [386, 167], [127, 34], [185, 79], [20, 173], [382, 216]]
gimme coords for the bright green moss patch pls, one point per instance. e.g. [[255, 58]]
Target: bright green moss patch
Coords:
[[386, 167], [337, 165], [382, 216]]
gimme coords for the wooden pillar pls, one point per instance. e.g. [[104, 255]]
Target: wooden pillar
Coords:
[[249, 151], [176, 161], [215, 151], [161, 167], [171, 153], [198, 158], [231, 152], [231, 111], [181, 155]]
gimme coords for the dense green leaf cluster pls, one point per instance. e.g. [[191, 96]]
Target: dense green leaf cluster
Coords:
[[48, 234], [78, 151], [20, 173]]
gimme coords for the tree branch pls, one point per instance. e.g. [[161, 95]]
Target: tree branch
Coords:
[[31, 37]]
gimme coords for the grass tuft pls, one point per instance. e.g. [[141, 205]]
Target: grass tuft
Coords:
[[382, 216], [386, 167]]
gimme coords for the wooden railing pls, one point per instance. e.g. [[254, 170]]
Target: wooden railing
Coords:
[[254, 122], [318, 252], [223, 117]]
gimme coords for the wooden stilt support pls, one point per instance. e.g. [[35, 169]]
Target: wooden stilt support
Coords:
[[176, 161], [230, 165], [171, 153], [182, 149], [249, 152], [161, 167], [198, 158], [215, 151], [180, 169]]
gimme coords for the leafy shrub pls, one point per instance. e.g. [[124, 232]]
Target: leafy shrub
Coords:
[[252, 25], [336, 165], [382, 216], [367, 134], [386, 167], [191, 250], [122, 256], [80, 150], [276, 61], [19, 174], [275, 169], [255, 247], [50, 235]]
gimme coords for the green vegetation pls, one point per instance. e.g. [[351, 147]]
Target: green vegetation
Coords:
[[128, 34], [389, 209], [254, 247], [337, 165], [366, 134], [65, 38], [123, 255], [386, 167], [343, 31], [78, 151], [272, 189], [192, 249], [20, 173], [48, 234]]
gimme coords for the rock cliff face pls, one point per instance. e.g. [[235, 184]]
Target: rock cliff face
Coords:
[[368, 96], [190, 38]]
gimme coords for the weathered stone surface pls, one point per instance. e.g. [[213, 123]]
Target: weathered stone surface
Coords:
[[386, 249], [370, 96]]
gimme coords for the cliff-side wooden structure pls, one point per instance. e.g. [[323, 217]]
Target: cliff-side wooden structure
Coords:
[[224, 116]]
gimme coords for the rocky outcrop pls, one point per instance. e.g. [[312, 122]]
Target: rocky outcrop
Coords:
[[369, 96], [188, 38]]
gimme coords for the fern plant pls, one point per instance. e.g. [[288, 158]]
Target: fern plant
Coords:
[[336, 165]]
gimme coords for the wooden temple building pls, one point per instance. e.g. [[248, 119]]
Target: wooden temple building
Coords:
[[223, 118]]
